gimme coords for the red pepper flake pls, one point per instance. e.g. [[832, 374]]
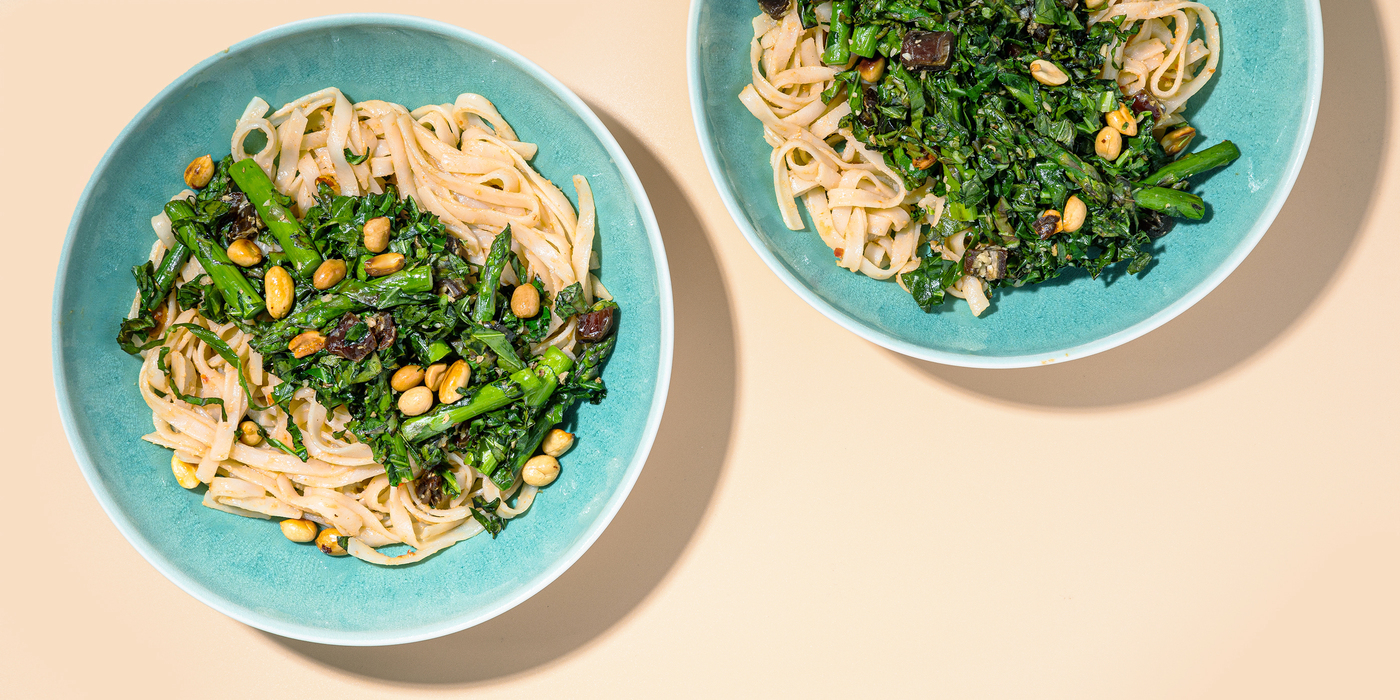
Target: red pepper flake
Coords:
[[840, 252]]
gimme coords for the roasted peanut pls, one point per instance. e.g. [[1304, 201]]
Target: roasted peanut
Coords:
[[244, 253], [871, 69], [406, 378], [525, 301], [457, 377], [199, 172], [299, 530], [184, 472], [279, 290], [384, 264], [1075, 214], [377, 234], [416, 401], [432, 377], [1123, 120], [248, 433], [1047, 73], [541, 470], [329, 542], [1177, 141], [557, 442], [1109, 143], [328, 274], [308, 343]]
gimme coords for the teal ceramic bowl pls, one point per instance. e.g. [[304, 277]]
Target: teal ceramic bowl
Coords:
[[1264, 98], [245, 568]]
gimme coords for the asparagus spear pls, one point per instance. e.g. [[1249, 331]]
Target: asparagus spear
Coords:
[[176, 258], [590, 361], [384, 292], [486, 399], [553, 364], [1219, 155], [1172, 202], [283, 225], [528, 381], [1156, 194], [1079, 172], [491, 278], [169, 270], [838, 42], [242, 299], [505, 474], [863, 40], [350, 295]]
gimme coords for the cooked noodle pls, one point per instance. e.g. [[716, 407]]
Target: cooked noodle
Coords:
[[860, 206], [1164, 56], [462, 162]]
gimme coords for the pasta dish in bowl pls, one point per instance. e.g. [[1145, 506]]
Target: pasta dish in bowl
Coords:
[[293, 352], [377, 316], [1072, 173]]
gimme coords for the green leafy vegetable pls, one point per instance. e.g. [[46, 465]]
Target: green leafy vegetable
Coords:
[[1001, 147], [488, 290], [134, 328], [191, 228], [440, 308], [299, 249], [485, 513], [571, 301], [934, 274]]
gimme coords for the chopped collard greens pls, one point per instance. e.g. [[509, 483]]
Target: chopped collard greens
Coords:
[[958, 109], [439, 308]]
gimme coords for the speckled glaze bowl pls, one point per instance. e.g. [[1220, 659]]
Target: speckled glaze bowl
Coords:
[[245, 568], [1264, 98]]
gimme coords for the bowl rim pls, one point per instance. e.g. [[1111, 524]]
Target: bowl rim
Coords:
[[320, 635], [904, 347]]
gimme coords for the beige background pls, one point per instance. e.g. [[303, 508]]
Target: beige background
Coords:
[[1208, 512]]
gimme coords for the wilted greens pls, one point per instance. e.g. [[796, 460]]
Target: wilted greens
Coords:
[[955, 107], [438, 309]]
